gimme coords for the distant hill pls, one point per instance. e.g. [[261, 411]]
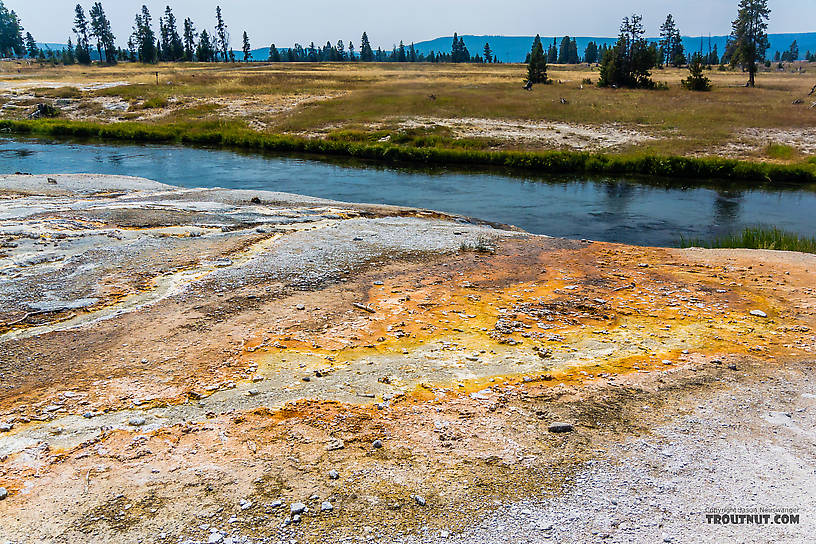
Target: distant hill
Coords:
[[515, 48], [52, 46]]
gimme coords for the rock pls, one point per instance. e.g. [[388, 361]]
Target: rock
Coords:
[[297, 508], [559, 427], [301, 307], [333, 474], [88, 415], [137, 421], [666, 537], [326, 507], [215, 538], [3, 493], [419, 500], [732, 367], [276, 504], [335, 445], [758, 313], [377, 444], [252, 392], [296, 518], [6, 427]]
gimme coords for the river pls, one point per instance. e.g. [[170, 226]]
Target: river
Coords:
[[628, 210]]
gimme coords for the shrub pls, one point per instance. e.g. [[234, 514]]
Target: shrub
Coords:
[[696, 81]]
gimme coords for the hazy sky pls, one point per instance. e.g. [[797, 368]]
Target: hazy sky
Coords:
[[286, 22]]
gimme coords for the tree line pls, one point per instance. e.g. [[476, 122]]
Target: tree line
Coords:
[[182, 42], [630, 61]]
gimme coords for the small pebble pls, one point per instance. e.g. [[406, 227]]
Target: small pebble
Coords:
[[377, 444], [559, 427], [333, 474]]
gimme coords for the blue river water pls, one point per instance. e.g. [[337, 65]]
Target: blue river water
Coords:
[[628, 210]]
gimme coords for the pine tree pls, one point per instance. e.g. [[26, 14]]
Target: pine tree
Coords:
[[11, 33], [171, 42], [552, 53], [573, 52], [31, 46], [671, 43], [537, 67], [713, 57], [189, 40], [83, 48], [591, 53], [274, 54], [463, 51], [144, 37], [792, 54], [69, 55], [101, 30], [488, 54], [456, 53], [205, 52], [221, 35], [750, 36], [629, 62], [246, 48], [366, 53], [696, 81]]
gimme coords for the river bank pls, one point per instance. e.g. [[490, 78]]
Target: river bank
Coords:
[[757, 173], [204, 364]]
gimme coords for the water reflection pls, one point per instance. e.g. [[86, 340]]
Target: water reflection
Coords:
[[727, 208], [648, 211]]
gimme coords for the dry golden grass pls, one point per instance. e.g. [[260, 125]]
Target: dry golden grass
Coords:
[[377, 99]]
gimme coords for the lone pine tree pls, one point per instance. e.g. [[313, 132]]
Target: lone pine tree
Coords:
[[750, 36], [696, 81], [537, 66]]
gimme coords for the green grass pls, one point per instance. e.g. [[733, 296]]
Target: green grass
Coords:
[[759, 237], [59, 92], [234, 134], [780, 151], [154, 103]]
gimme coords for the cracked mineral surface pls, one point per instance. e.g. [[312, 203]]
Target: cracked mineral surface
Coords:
[[207, 365]]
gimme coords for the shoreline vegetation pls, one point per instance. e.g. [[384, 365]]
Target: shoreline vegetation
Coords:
[[758, 237], [703, 169]]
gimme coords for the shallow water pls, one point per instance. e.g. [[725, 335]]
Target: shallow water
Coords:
[[625, 210]]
